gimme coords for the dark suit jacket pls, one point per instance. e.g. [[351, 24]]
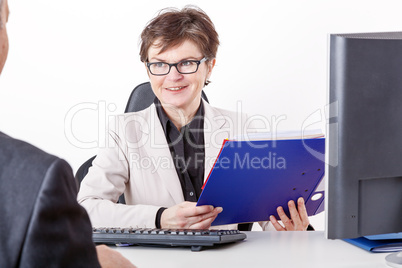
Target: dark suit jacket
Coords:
[[41, 223]]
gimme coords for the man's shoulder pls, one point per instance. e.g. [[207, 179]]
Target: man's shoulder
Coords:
[[24, 169], [15, 149], [20, 158]]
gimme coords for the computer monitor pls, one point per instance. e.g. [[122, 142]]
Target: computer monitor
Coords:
[[364, 144]]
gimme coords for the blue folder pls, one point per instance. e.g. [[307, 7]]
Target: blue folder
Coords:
[[251, 179], [378, 243]]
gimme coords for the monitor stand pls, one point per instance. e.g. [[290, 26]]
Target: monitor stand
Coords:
[[394, 259]]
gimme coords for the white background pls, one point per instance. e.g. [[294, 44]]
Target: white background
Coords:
[[84, 53]]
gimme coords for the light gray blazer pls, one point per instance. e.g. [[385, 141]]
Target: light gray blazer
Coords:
[[137, 161]]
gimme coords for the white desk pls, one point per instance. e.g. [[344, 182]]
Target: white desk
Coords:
[[261, 249]]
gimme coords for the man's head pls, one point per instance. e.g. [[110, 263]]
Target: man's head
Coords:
[[3, 33]]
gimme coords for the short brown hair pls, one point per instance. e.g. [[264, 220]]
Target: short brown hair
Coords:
[[172, 27]]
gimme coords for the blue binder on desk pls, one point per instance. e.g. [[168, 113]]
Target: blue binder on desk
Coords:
[[250, 179], [379, 243]]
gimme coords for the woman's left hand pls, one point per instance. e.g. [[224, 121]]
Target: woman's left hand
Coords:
[[299, 219]]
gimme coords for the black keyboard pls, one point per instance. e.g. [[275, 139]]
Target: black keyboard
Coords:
[[196, 239]]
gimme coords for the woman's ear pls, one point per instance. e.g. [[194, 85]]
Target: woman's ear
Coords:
[[211, 65]]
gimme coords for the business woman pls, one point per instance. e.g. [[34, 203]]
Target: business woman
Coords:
[[160, 157]]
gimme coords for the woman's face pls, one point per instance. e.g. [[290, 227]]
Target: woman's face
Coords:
[[182, 91]]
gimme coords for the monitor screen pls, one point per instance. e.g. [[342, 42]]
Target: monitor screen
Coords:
[[364, 145]]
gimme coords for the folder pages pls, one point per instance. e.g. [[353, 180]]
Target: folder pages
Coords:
[[251, 178]]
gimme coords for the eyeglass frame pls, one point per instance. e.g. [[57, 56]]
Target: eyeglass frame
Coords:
[[175, 65]]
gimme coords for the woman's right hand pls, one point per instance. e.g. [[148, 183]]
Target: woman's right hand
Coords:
[[187, 215]]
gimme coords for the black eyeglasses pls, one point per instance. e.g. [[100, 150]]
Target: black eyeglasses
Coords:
[[183, 67]]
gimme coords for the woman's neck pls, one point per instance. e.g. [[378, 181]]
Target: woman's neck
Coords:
[[180, 117]]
